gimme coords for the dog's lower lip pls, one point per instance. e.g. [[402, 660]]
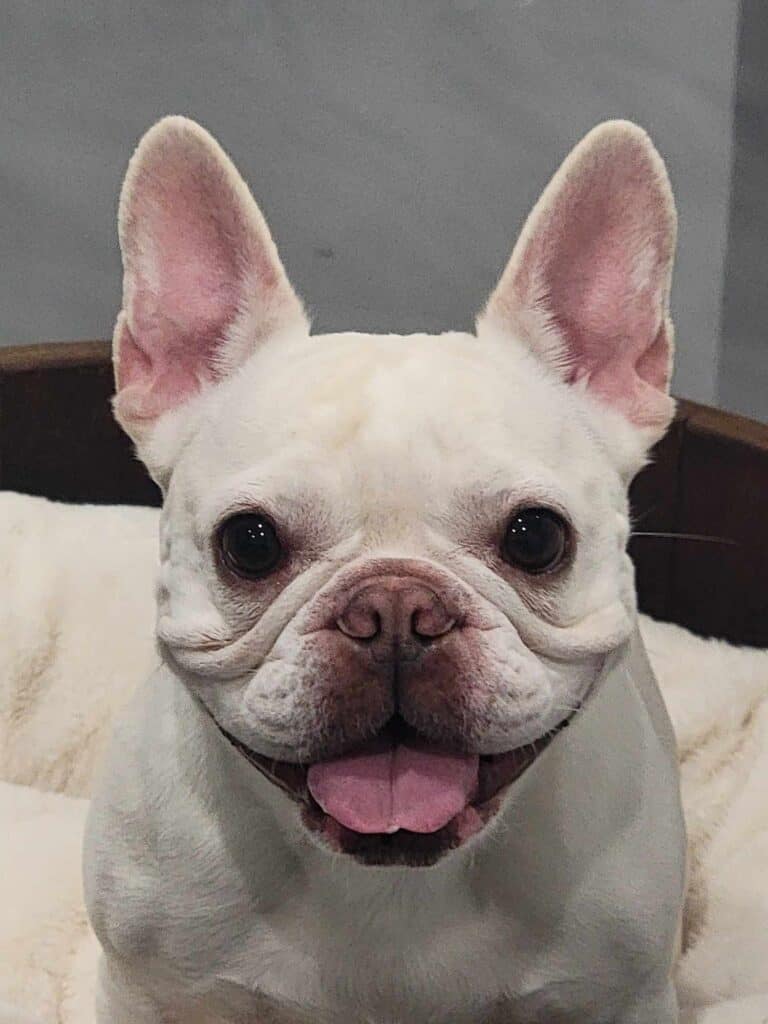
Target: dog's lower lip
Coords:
[[496, 773]]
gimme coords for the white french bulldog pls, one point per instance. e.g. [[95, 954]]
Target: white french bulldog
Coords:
[[393, 570]]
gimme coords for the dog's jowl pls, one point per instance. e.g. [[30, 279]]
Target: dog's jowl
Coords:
[[404, 761]]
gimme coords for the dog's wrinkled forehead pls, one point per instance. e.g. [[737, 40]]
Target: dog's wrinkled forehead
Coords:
[[398, 424]]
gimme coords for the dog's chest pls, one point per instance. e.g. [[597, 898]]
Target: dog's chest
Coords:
[[458, 970], [376, 974], [228, 1006]]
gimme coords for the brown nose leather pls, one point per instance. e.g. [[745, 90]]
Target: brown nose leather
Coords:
[[394, 611]]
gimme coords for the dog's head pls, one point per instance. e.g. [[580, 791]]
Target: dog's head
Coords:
[[392, 567]]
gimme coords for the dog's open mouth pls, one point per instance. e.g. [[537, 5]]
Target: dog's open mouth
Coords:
[[399, 798]]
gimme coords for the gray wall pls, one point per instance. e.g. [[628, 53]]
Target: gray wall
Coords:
[[743, 374], [395, 148]]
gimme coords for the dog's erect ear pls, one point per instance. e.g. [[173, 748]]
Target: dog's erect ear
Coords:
[[203, 285], [587, 286]]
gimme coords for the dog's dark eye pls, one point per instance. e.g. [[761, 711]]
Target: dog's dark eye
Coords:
[[250, 545], [535, 540]]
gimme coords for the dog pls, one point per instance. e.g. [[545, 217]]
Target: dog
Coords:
[[405, 759]]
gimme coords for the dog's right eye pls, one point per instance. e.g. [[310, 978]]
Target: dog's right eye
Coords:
[[249, 545], [536, 540]]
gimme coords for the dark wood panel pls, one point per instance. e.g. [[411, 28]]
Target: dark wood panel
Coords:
[[720, 588], [58, 437]]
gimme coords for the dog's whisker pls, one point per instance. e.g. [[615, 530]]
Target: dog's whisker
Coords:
[[684, 536]]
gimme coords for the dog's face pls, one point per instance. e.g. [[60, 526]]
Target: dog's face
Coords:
[[392, 567]]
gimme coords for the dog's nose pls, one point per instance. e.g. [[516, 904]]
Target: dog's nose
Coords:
[[394, 612]]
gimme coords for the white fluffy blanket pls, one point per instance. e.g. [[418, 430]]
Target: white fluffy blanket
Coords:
[[76, 618]]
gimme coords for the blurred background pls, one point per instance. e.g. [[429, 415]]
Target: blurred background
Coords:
[[394, 147]]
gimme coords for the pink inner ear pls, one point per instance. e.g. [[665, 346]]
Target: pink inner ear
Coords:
[[181, 298], [197, 257], [595, 261], [149, 385]]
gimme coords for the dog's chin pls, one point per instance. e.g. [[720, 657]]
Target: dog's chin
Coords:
[[496, 774]]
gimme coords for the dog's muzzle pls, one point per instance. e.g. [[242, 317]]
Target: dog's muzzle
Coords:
[[406, 671]]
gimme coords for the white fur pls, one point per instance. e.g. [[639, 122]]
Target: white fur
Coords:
[[715, 694]]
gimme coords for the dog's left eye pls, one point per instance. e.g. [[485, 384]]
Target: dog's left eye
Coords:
[[535, 540], [250, 545]]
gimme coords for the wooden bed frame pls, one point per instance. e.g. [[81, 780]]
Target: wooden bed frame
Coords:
[[708, 478]]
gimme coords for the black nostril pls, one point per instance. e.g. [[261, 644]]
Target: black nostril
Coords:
[[427, 629], [423, 638], [363, 628]]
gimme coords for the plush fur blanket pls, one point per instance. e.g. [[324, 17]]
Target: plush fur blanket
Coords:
[[76, 619]]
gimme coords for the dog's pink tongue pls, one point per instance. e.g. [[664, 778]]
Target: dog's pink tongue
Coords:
[[383, 788]]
